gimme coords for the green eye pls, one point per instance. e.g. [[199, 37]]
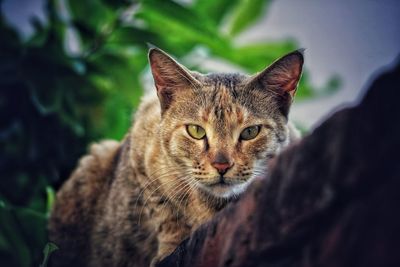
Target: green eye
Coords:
[[250, 132], [196, 131]]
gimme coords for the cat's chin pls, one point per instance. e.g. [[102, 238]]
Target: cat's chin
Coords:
[[224, 190]]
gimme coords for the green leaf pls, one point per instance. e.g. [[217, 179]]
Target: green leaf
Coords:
[[215, 10], [47, 251], [256, 57], [332, 85], [180, 14], [92, 13], [51, 196], [132, 36], [22, 230], [305, 89], [116, 4], [186, 27], [245, 14], [123, 86]]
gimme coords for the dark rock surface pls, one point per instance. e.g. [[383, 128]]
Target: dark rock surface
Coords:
[[330, 200]]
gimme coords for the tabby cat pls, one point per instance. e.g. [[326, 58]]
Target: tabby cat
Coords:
[[190, 151]]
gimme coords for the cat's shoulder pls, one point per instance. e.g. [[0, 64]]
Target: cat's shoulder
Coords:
[[149, 104], [93, 167], [100, 154]]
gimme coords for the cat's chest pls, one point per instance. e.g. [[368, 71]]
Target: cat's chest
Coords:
[[198, 213]]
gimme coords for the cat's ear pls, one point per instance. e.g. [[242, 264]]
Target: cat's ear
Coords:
[[169, 77], [282, 77]]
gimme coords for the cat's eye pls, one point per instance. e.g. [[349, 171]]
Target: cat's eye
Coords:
[[250, 132], [196, 131]]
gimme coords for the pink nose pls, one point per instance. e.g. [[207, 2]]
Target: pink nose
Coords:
[[222, 168]]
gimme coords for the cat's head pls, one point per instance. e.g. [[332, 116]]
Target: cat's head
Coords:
[[219, 129]]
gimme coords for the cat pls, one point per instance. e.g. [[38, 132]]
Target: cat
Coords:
[[193, 147]]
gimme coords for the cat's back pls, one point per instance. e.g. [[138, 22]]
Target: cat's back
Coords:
[[83, 202], [146, 124], [78, 200], [147, 116]]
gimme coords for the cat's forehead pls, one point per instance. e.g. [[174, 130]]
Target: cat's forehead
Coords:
[[220, 93], [228, 80], [222, 101], [224, 95]]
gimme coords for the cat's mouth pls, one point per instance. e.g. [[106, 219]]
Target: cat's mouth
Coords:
[[222, 181], [224, 186]]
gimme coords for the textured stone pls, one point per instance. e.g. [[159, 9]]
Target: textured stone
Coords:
[[330, 200]]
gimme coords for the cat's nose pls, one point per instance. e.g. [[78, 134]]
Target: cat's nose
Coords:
[[222, 168], [221, 164]]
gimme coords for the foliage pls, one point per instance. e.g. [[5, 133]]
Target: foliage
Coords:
[[47, 251], [54, 99]]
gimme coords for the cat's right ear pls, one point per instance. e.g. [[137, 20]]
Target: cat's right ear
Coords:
[[169, 77], [281, 79]]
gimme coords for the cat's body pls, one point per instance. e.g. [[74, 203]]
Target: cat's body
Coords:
[[190, 151]]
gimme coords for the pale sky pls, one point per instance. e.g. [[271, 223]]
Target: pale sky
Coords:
[[352, 38]]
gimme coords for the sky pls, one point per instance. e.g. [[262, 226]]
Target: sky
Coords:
[[19, 12], [353, 39]]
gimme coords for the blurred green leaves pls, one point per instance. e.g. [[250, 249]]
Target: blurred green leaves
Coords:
[[245, 14], [79, 77], [23, 232]]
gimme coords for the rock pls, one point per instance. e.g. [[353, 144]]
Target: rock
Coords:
[[330, 200]]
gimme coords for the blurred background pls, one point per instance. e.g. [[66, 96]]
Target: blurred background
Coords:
[[72, 72]]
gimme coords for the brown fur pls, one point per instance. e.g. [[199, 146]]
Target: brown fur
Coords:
[[131, 203]]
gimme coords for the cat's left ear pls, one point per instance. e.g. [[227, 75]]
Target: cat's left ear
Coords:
[[282, 76]]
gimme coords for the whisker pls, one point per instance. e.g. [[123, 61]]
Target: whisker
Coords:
[[188, 188], [171, 195], [150, 195], [154, 178]]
